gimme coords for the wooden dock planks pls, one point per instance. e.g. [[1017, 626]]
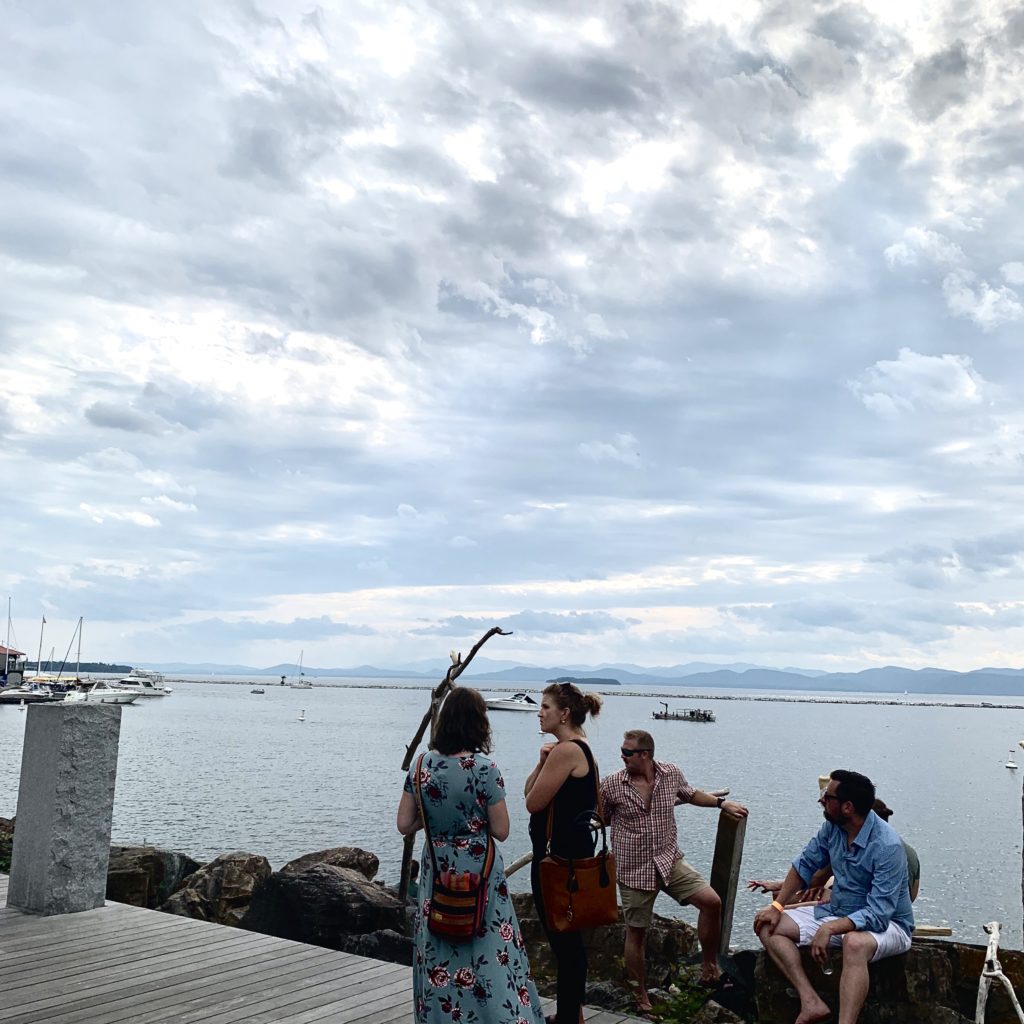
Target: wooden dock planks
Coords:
[[124, 965]]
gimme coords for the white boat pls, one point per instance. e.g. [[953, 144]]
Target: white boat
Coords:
[[143, 683], [300, 683], [1010, 763], [518, 702], [257, 689], [26, 694], [100, 693]]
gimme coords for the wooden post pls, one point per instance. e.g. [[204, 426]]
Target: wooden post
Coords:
[[725, 870]]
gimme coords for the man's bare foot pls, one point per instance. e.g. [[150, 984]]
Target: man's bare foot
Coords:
[[817, 1012], [643, 1003], [710, 974]]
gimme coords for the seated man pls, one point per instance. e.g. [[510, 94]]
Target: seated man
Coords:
[[869, 914], [821, 884]]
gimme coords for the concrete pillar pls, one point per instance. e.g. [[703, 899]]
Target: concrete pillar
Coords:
[[725, 870], [65, 806]]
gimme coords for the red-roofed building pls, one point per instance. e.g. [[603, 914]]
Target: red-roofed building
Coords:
[[12, 665]]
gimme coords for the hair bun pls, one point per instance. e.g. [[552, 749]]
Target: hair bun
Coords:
[[593, 703]]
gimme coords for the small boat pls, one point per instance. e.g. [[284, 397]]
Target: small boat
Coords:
[[686, 715], [518, 702], [1010, 763], [144, 683], [257, 689], [100, 693], [26, 694], [302, 715], [300, 683]]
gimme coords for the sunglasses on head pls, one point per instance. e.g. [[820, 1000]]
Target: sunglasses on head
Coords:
[[630, 753]]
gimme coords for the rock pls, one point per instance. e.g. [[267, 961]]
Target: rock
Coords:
[[362, 861], [144, 876], [220, 891], [607, 995], [383, 945], [321, 904], [6, 843]]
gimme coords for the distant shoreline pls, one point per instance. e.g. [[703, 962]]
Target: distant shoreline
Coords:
[[937, 702]]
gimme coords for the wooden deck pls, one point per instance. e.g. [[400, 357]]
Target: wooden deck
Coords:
[[121, 963]]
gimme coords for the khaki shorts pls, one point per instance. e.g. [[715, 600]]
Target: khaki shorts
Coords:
[[893, 941], [638, 904]]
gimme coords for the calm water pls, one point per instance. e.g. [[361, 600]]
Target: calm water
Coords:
[[213, 768]]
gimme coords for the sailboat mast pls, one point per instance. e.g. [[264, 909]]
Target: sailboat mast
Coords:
[[78, 657], [7, 646], [39, 656]]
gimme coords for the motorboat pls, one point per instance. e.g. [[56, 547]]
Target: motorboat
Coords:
[[144, 683], [685, 715], [100, 693], [518, 702], [27, 694], [257, 689]]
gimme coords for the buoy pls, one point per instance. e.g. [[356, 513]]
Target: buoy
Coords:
[[1010, 762], [302, 718]]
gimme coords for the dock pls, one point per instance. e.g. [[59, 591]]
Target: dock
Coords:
[[126, 964]]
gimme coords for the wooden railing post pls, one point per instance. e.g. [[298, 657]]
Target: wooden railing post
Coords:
[[725, 870]]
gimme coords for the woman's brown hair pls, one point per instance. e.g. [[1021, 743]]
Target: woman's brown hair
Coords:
[[571, 698], [462, 723]]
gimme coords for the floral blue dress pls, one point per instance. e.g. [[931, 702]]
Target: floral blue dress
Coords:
[[486, 980]]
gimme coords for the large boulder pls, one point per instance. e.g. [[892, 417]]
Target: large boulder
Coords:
[[322, 904], [363, 861], [220, 891], [145, 876], [382, 945]]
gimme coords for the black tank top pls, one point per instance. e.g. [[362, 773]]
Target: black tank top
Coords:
[[568, 839]]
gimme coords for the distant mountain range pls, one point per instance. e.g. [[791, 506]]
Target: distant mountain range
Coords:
[[692, 676]]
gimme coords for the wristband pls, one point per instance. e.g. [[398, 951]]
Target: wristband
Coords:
[[719, 802], [778, 906]]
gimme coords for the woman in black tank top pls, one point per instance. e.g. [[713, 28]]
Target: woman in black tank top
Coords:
[[565, 781]]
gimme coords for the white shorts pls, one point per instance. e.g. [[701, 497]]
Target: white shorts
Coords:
[[891, 942]]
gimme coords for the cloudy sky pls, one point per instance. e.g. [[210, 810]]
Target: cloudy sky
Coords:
[[652, 331]]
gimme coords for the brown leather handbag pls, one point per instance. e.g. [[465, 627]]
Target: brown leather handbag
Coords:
[[579, 892]]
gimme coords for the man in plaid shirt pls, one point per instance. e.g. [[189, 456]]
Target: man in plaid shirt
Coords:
[[639, 802]]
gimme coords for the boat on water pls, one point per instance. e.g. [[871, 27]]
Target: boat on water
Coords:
[[144, 683], [28, 694], [684, 715], [1010, 763], [257, 689], [518, 702], [301, 683], [99, 693]]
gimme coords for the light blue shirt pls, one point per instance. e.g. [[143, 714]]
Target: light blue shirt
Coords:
[[870, 887]]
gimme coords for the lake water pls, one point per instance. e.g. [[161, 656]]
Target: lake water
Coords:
[[213, 768]]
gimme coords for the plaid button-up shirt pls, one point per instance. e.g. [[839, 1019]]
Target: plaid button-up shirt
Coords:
[[644, 839]]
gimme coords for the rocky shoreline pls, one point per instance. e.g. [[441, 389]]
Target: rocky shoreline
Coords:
[[330, 898]]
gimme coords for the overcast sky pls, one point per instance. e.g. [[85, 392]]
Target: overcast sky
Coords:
[[654, 332]]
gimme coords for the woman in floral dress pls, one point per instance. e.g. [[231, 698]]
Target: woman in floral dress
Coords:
[[485, 980]]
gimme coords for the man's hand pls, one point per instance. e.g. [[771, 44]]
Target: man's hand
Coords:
[[814, 894], [759, 885], [767, 917], [734, 809], [820, 942]]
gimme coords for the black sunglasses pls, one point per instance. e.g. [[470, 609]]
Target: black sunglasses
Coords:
[[630, 753], [827, 796]]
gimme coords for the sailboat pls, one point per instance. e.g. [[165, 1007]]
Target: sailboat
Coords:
[[300, 683], [1010, 763]]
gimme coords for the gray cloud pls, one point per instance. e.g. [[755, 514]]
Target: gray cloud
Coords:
[[939, 82]]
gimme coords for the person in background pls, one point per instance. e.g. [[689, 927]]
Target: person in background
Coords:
[[868, 915], [639, 802], [487, 979], [564, 781]]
